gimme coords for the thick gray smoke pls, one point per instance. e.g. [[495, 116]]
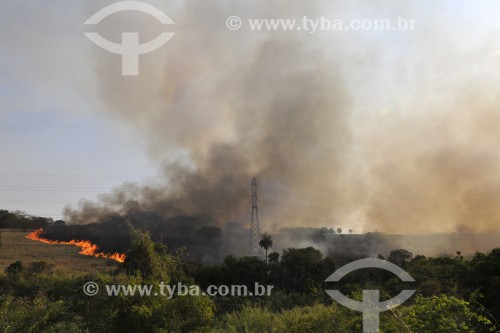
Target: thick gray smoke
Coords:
[[226, 107], [388, 131]]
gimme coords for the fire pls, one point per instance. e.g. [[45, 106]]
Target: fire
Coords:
[[87, 248]]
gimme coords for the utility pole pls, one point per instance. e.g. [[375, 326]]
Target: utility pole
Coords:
[[254, 248]]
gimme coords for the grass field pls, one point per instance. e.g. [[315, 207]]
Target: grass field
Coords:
[[64, 258]]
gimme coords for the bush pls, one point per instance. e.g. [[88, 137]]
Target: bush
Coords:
[[443, 314], [438, 314], [37, 315], [318, 318]]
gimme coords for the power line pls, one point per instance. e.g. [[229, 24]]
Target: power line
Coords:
[[173, 189], [111, 189], [347, 210], [42, 174], [341, 207], [358, 203]]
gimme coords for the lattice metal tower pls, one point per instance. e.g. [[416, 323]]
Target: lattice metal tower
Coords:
[[254, 248]]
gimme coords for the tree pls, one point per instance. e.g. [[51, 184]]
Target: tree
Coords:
[[14, 269], [266, 242], [339, 230], [274, 257], [484, 275], [303, 269], [445, 314], [243, 270], [143, 258], [400, 257]]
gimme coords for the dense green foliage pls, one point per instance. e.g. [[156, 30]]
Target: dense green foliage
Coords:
[[454, 295], [441, 314], [298, 271]]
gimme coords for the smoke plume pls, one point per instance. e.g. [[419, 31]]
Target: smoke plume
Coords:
[[389, 131]]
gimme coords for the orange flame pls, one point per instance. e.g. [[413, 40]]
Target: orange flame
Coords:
[[88, 249]]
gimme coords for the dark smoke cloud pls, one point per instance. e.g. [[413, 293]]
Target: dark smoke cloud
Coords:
[[403, 140], [268, 109]]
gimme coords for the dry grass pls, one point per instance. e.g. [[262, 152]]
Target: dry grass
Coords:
[[65, 258]]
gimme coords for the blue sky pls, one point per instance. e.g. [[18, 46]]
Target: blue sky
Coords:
[[56, 146], [47, 149]]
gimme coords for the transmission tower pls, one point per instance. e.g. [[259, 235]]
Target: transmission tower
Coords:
[[254, 239]]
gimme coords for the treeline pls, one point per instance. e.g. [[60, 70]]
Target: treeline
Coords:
[[295, 271], [21, 220], [454, 295], [303, 271]]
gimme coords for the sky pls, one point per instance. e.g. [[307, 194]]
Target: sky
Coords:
[[56, 146], [70, 131]]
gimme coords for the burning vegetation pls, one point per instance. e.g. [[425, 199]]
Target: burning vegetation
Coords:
[[87, 248]]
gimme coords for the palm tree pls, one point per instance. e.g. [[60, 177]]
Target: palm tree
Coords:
[[266, 242]]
